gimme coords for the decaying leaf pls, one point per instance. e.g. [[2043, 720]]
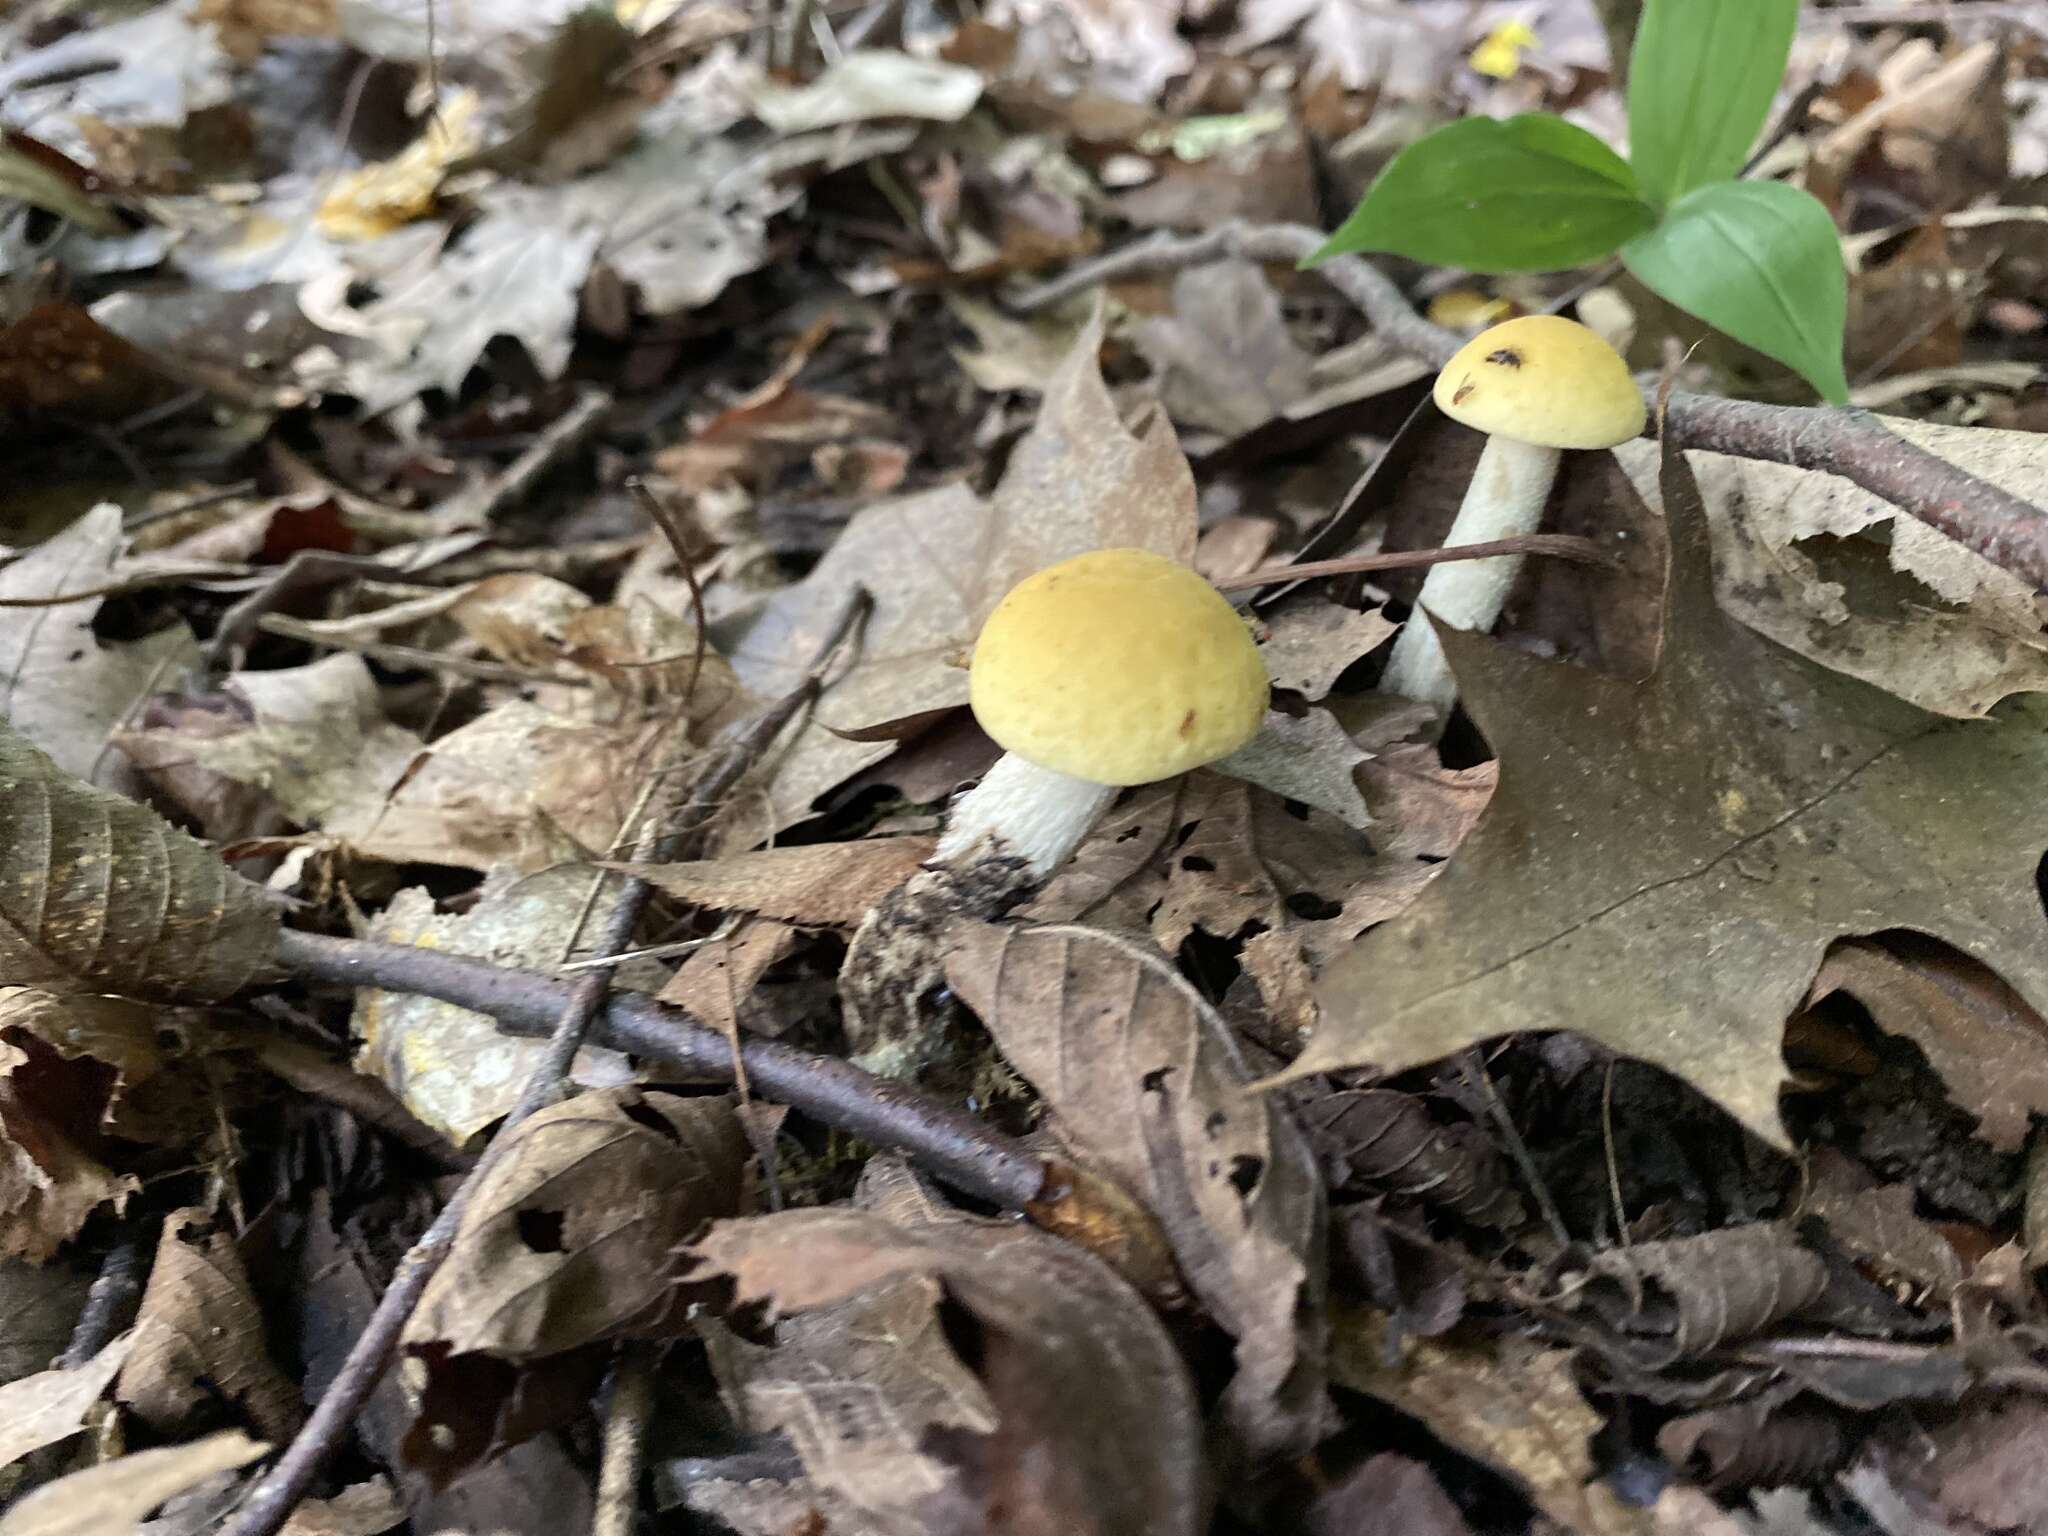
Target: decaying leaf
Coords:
[[1307, 757], [1225, 358], [49, 1406], [1687, 1295], [1312, 641], [59, 686], [1095, 1430], [1144, 1079], [109, 1499], [1666, 861], [39, 1305], [867, 84], [1878, 1226], [571, 1238], [198, 1343], [1904, 607], [1373, 1139], [937, 562], [828, 885], [97, 893], [452, 1067], [1509, 1403]]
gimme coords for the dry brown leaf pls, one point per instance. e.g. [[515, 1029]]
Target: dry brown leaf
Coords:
[[1687, 1295], [1096, 1426], [1989, 1046], [39, 1305], [51, 1405], [767, 1508], [937, 562], [62, 688], [570, 1239], [1913, 611], [1225, 359], [718, 982], [1311, 642], [451, 1067], [1307, 757], [366, 1509], [1667, 861], [1145, 1080], [1508, 1403], [1880, 1228], [1385, 1495], [857, 1387], [99, 894], [199, 1338], [827, 885], [112, 1498]]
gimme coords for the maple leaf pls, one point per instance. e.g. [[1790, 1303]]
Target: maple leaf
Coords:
[[1666, 861]]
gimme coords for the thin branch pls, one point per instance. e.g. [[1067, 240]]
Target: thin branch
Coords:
[[1563, 546], [625, 1442], [1853, 444], [950, 1143], [110, 1304], [476, 505]]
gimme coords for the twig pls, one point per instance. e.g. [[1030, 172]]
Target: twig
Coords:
[[950, 1143], [392, 653], [109, 1304], [672, 529], [1853, 444], [478, 504], [566, 1019], [625, 1442], [1564, 546], [1474, 1068]]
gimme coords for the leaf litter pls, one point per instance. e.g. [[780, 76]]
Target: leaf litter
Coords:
[[435, 444]]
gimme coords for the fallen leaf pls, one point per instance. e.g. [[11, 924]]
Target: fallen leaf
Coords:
[[1312, 642], [99, 894], [110, 1499], [376, 199], [865, 84], [364, 1509], [827, 885], [452, 1067], [1653, 842], [720, 981], [59, 686], [1404, 51], [51, 1405], [1989, 1046], [1385, 1495], [199, 1339], [1096, 1428], [1903, 606], [1225, 359], [1145, 1080], [937, 562], [1682, 1297], [1508, 1403], [569, 1240], [1307, 757], [1880, 1227], [39, 1305]]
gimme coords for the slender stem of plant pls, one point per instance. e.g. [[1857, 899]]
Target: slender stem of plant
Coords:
[[1562, 546]]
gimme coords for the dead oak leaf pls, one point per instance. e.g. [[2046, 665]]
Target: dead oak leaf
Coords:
[[830, 885], [110, 1499], [937, 562], [1666, 861]]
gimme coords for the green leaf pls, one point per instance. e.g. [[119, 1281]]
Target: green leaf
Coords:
[[1700, 80], [1760, 261], [1524, 194]]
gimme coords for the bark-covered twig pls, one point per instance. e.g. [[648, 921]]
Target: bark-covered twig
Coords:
[[675, 815], [949, 1143], [476, 505], [625, 1442], [111, 1302], [1853, 444]]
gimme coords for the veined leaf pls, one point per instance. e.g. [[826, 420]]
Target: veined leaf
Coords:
[[1700, 81]]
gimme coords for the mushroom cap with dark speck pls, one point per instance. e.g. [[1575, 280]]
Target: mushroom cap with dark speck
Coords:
[[1118, 666], [1542, 379]]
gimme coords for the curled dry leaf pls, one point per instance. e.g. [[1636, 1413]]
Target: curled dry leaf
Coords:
[[1688, 1295], [1727, 817], [1095, 1425], [1506, 1402], [51, 1405], [59, 686], [1375, 1139], [822, 885], [570, 1240], [99, 894], [1145, 1080], [937, 562], [199, 1338], [1988, 1044], [111, 1498], [1753, 1445], [452, 1067]]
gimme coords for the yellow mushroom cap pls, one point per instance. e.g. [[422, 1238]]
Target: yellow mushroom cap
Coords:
[[1542, 379], [1119, 667]]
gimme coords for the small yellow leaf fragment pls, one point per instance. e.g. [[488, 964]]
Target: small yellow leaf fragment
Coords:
[[1499, 53], [390, 194]]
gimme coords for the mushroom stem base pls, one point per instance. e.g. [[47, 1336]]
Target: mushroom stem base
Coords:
[[1509, 487], [1020, 810]]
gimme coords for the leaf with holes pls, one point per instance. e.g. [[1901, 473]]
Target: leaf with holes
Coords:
[[98, 894], [1146, 1081]]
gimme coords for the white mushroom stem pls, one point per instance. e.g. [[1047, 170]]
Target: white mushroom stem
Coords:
[[1022, 810], [1509, 487]]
